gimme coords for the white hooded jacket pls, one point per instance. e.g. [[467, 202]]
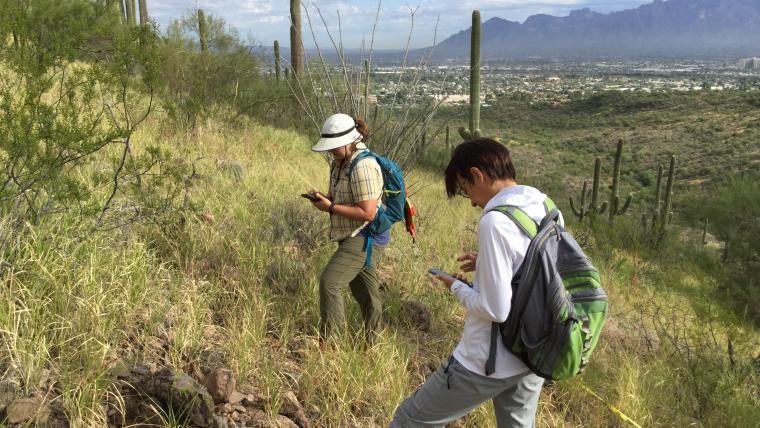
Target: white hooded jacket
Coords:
[[501, 250]]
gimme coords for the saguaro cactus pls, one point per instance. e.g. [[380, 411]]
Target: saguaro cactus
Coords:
[[661, 213], [448, 137], [474, 130], [130, 12], [202, 31], [134, 12], [667, 215], [123, 10], [296, 44], [593, 208], [615, 208], [144, 12], [704, 231], [277, 60]]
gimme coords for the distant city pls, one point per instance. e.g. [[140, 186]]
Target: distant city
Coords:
[[559, 81]]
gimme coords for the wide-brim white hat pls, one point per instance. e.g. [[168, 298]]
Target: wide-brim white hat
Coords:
[[339, 130]]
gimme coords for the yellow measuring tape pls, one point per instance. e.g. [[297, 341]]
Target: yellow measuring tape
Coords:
[[614, 409]]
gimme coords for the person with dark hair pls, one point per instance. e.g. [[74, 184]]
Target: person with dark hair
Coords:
[[482, 171], [352, 202]]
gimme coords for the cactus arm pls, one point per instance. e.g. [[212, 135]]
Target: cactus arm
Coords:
[[465, 133], [581, 211], [626, 204], [614, 198], [578, 213]]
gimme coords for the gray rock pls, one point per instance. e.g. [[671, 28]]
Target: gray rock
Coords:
[[181, 393], [236, 397], [28, 409], [285, 422], [221, 421], [220, 384], [291, 407]]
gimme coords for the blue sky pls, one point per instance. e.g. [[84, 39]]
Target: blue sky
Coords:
[[264, 21]]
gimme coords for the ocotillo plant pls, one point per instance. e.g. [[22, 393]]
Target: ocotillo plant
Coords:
[[277, 60], [202, 31], [144, 12], [474, 131], [593, 207], [615, 208], [296, 43], [366, 87]]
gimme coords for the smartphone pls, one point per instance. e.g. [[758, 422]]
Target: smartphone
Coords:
[[435, 271], [310, 197]]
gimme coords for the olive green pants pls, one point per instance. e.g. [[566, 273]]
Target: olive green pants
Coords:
[[347, 266]]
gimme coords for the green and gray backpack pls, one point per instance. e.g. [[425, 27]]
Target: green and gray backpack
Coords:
[[558, 305]]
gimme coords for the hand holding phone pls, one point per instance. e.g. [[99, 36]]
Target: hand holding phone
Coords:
[[310, 196], [437, 272]]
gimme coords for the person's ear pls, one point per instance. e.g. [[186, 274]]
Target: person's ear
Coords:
[[477, 175]]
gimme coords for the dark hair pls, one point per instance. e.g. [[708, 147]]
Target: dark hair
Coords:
[[489, 156], [363, 129]]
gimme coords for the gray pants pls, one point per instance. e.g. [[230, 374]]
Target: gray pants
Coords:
[[453, 391]]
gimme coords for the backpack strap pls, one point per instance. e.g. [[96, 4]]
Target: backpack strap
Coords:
[[520, 218], [362, 155], [549, 205]]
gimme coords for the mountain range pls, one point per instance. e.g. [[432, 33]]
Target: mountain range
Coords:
[[672, 28]]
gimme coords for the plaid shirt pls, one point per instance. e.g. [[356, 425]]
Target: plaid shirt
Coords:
[[366, 183]]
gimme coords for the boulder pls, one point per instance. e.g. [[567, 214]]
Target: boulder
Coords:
[[291, 407], [183, 394], [220, 383], [28, 409]]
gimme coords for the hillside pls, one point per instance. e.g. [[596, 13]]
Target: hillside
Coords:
[[713, 134], [672, 28], [234, 285]]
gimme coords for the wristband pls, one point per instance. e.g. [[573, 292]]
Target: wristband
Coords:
[[331, 210]]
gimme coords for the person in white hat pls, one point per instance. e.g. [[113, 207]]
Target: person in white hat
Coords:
[[352, 203]]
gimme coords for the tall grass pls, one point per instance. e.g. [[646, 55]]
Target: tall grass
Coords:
[[235, 284]]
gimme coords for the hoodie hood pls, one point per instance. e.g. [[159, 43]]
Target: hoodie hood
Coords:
[[523, 197], [517, 196]]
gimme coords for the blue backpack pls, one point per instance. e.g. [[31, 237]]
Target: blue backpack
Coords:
[[395, 206]]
